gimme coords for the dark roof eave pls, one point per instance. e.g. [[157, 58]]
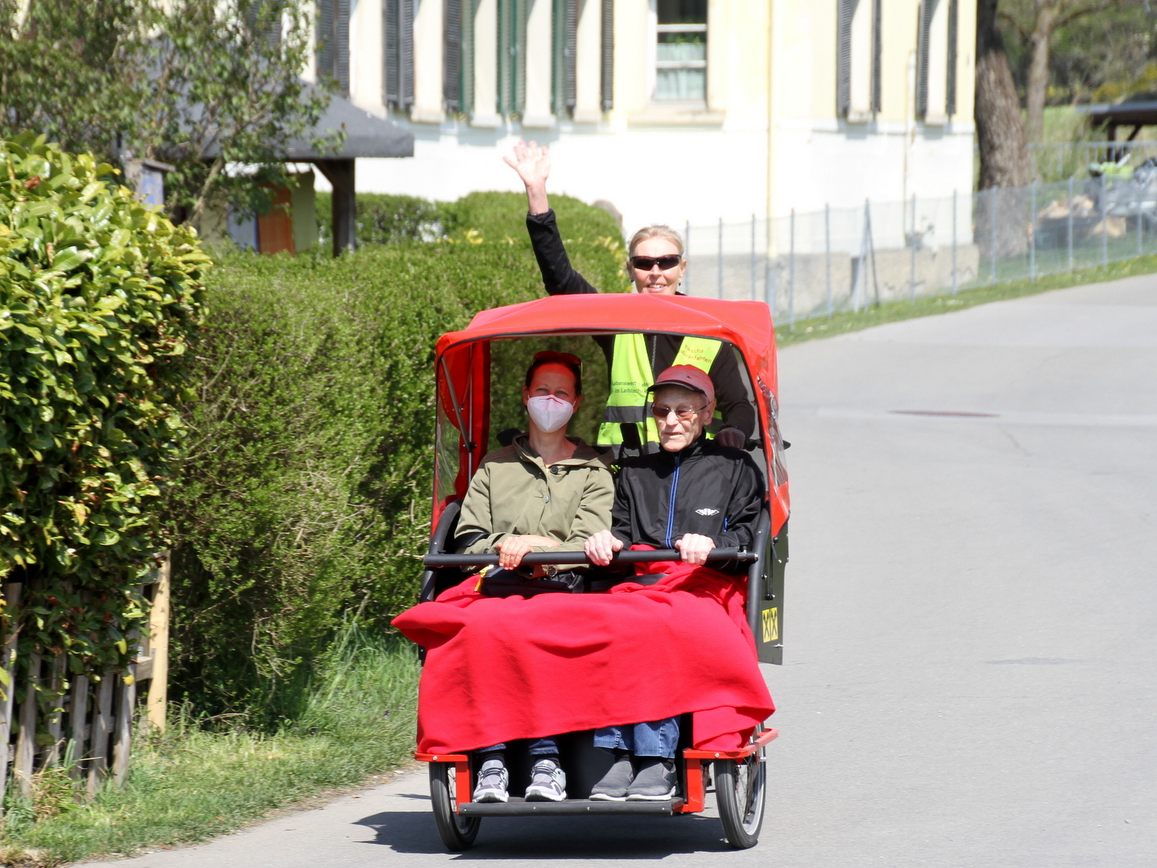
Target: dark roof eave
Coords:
[[1142, 112]]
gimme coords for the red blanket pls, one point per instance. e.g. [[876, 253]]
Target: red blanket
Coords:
[[503, 669]]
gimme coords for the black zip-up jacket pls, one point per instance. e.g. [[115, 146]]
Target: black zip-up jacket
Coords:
[[560, 278], [705, 488]]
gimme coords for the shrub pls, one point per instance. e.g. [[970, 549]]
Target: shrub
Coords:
[[99, 297], [386, 219]]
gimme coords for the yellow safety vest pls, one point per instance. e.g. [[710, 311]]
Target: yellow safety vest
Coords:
[[631, 376]]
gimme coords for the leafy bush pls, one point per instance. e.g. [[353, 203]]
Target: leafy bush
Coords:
[[386, 219], [306, 494], [99, 297]]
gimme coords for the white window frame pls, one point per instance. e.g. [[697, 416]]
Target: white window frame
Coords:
[[655, 65]]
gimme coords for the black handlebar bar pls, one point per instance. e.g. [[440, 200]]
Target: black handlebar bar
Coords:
[[432, 561]]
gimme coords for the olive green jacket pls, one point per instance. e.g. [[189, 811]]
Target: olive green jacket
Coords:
[[514, 492]]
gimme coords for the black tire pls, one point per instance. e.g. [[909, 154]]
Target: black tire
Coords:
[[457, 832], [740, 790]]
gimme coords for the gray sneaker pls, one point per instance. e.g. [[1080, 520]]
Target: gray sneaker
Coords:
[[547, 782], [493, 781], [613, 786], [655, 781]]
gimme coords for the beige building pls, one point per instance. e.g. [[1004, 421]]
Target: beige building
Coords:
[[677, 111]]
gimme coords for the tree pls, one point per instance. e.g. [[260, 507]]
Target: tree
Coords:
[[1004, 158], [1038, 25], [199, 85], [63, 71]]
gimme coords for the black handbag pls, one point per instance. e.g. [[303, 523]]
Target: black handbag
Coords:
[[520, 583]]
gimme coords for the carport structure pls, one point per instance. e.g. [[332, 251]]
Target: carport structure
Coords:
[[366, 135], [1136, 112]]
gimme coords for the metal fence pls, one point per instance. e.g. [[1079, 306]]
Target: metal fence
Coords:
[[819, 263]]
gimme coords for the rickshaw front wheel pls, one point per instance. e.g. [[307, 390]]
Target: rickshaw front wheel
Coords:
[[457, 832], [740, 787]]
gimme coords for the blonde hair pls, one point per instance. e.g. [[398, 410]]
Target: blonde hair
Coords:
[[657, 230]]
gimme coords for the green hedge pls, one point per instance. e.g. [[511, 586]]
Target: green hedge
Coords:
[[388, 219], [307, 491], [99, 297]]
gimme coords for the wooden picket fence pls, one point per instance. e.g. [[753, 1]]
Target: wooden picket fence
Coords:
[[91, 730]]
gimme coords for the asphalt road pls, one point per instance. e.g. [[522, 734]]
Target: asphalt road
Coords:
[[970, 622]]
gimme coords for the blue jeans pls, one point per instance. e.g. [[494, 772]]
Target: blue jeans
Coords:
[[653, 738], [537, 747]]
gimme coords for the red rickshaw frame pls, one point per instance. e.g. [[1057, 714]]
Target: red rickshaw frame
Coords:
[[462, 363]]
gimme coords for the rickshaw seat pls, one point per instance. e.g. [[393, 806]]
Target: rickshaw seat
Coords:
[[436, 580]]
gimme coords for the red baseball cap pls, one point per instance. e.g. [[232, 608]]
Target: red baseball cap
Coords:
[[686, 377]]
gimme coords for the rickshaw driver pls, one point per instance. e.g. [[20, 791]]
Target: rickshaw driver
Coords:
[[694, 495], [655, 264]]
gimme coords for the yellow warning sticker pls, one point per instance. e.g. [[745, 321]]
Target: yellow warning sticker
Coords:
[[770, 625]]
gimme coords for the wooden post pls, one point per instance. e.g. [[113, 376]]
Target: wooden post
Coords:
[[340, 174], [123, 725], [26, 739], [158, 698], [8, 664], [55, 722], [78, 717], [101, 727]]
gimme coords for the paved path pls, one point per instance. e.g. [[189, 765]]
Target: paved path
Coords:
[[971, 618]]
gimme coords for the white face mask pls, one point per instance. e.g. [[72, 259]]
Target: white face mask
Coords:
[[548, 412]]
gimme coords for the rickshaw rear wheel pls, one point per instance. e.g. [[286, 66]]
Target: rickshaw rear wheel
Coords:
[[740, 789], [457, 832]]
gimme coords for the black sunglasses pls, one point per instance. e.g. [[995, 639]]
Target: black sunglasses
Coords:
[[665, 263]]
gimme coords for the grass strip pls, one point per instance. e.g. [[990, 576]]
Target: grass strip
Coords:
[[193, 783], [843, 322]]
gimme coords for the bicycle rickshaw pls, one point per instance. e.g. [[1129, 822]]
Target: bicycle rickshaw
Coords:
[[468, 363]]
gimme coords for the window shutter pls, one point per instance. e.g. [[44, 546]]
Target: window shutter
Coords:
[[324, 38], [950, 97], [564, 33], [504, 58], [333, 42], [923, 40], [571, 96], [512, 16], [398, 70], [458, 56], [452, 56], [518, 68], [846, 10], [877, 55], [342, 40], [607, 73], [264, 22]]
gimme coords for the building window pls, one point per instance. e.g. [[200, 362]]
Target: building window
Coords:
[[936, 53], [858, 58], [681, 51], [332, 43], [398, 57]]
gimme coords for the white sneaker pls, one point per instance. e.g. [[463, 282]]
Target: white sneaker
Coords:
[[547, 783], [493, 782]]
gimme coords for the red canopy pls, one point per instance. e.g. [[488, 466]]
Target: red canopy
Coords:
[[462, 359]]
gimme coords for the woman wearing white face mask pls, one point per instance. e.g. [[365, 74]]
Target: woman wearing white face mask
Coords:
[[545, 490]]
